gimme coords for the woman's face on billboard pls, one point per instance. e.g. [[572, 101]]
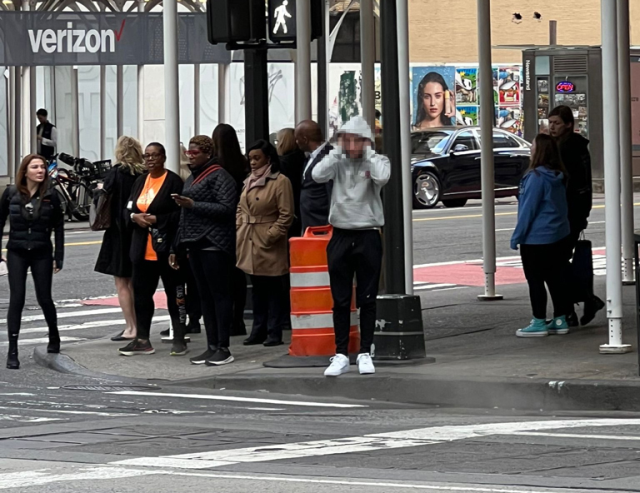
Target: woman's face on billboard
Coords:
[[433, 100]]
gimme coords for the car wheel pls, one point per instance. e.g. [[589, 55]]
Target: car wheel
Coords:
[[452, 203], [426, 190]]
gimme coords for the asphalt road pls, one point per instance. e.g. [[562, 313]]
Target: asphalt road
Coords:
[[65, 433]]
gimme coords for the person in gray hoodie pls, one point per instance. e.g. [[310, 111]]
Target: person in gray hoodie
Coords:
[[358, 174]]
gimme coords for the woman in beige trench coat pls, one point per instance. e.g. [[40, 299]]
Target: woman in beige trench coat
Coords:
[[265, 213]]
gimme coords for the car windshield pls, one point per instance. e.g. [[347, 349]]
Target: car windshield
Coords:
[[430, 142]]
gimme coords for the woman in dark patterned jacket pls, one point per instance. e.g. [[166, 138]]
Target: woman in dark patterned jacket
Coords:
[[207, 232]]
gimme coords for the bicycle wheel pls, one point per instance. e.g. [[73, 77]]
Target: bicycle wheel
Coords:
[[81, 196]]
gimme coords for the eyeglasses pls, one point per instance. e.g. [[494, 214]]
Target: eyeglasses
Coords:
[[151, 157], [193, 153]]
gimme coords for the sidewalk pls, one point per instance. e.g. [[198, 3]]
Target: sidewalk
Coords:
[[478, 362]]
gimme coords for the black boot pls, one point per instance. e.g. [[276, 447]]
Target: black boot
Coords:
[[54, 341], [12, 356], [591, 307]]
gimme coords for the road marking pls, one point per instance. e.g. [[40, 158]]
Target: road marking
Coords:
[[239, 399], [27, 419], [89, 325], [568, 435], [368, 443], [81, 313], [41, 477], [43, 340], [433, 286], [504, 229], [66, 411]]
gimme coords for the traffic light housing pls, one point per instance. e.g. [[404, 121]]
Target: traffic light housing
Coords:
[[232, 21]]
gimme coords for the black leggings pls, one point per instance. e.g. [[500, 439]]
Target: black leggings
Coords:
[[213, 272], [146, 275], [548, 264], [41, 264]]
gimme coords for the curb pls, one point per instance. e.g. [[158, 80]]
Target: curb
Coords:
[[522, 394], [509, 393]]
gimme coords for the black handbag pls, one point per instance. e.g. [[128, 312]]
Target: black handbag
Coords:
[[582, 272], [159, 241], [100, 211]]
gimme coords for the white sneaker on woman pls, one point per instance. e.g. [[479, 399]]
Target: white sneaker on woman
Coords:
[[339, 365], [365, 364]]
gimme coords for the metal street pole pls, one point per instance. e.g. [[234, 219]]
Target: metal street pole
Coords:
[[75, 112], [624, 62], [611, 131], [140, 88], [171, 84], [303, 61], [405, 139], [394, 274], [119, 101], [323, 69], [367, 62], [487, 116], [26, 100], [256, 95], [103, 113], [11, 106]]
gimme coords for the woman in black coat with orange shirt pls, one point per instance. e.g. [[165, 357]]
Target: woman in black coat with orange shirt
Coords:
[[155, 217]]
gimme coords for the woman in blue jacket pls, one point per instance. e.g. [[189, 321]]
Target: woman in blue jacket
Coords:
[[542, 233]]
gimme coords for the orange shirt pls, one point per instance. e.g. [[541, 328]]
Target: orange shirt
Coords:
[[151, 188]]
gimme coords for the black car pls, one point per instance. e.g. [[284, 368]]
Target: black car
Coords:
[[445, 165]]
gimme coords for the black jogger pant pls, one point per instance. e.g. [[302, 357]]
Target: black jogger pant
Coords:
[[41, 264], [145, 278], [548, 264], [354, 252], [212, 271], [270, 307]]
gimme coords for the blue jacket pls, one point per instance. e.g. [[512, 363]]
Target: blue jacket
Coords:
[[542, 210]]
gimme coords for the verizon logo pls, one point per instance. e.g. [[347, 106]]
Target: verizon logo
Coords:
[[72, 40]]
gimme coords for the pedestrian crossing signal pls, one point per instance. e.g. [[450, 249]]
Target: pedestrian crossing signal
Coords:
[[234, 21], [282, 19]]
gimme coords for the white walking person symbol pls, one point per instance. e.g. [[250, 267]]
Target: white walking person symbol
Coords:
[[281, 14]]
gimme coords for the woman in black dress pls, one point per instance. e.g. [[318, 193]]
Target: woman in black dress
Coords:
[[113, 258], [292, 161]]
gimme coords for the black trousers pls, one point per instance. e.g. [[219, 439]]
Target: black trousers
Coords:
[[192, 301], [212, 271], [548, 264], [41, 264], [239, 293], [359, 253], [270, 307], [145, 278]]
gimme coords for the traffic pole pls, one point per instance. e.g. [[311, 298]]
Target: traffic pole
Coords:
[[399, 334], [624, 62], [487, 117], [367, 62], [611, 131], [171, 84], [303, 61], [256, 95], [405, 140]]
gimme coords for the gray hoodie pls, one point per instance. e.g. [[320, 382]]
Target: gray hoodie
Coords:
[[355, 200]]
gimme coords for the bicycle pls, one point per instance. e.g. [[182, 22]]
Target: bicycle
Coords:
[[76, 186]]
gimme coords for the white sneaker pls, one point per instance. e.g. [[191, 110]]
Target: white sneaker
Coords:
[[365, 364], [339, 365]]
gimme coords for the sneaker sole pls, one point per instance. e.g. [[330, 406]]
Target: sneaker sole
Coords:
[[198, 362], [367, 372], [336, 374], [136, 353], [230, 359], [558, 332], [179, 353], [526, 335]]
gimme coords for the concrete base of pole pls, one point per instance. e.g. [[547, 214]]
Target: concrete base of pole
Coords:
[[490, 297], [629, 283], [399, 334], [610, 349], [490, 289]]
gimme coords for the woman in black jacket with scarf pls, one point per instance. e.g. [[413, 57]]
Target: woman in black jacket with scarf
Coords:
[[155, 217], [34, 211], [208, 234]]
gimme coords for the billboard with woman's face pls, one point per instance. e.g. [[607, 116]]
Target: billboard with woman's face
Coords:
[[434, 99]]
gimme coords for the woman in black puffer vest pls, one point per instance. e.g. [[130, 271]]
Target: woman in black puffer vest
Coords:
[[207, 234], [34, 211]]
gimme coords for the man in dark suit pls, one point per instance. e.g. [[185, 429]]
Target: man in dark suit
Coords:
[[315, 198]]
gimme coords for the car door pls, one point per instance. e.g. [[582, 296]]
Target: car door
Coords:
[[461, 167], [510, 160]]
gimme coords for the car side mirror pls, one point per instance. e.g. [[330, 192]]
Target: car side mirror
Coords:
[[460, 148]]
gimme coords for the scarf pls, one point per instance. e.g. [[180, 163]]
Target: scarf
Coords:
[[258, 177]]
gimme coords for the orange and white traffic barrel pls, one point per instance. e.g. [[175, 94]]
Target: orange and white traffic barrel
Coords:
[[312, 331]]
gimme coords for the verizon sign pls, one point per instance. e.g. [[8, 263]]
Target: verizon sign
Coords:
[[69, 38]]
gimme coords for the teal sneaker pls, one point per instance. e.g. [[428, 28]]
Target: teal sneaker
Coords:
[[558, 326], [537, 328]]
